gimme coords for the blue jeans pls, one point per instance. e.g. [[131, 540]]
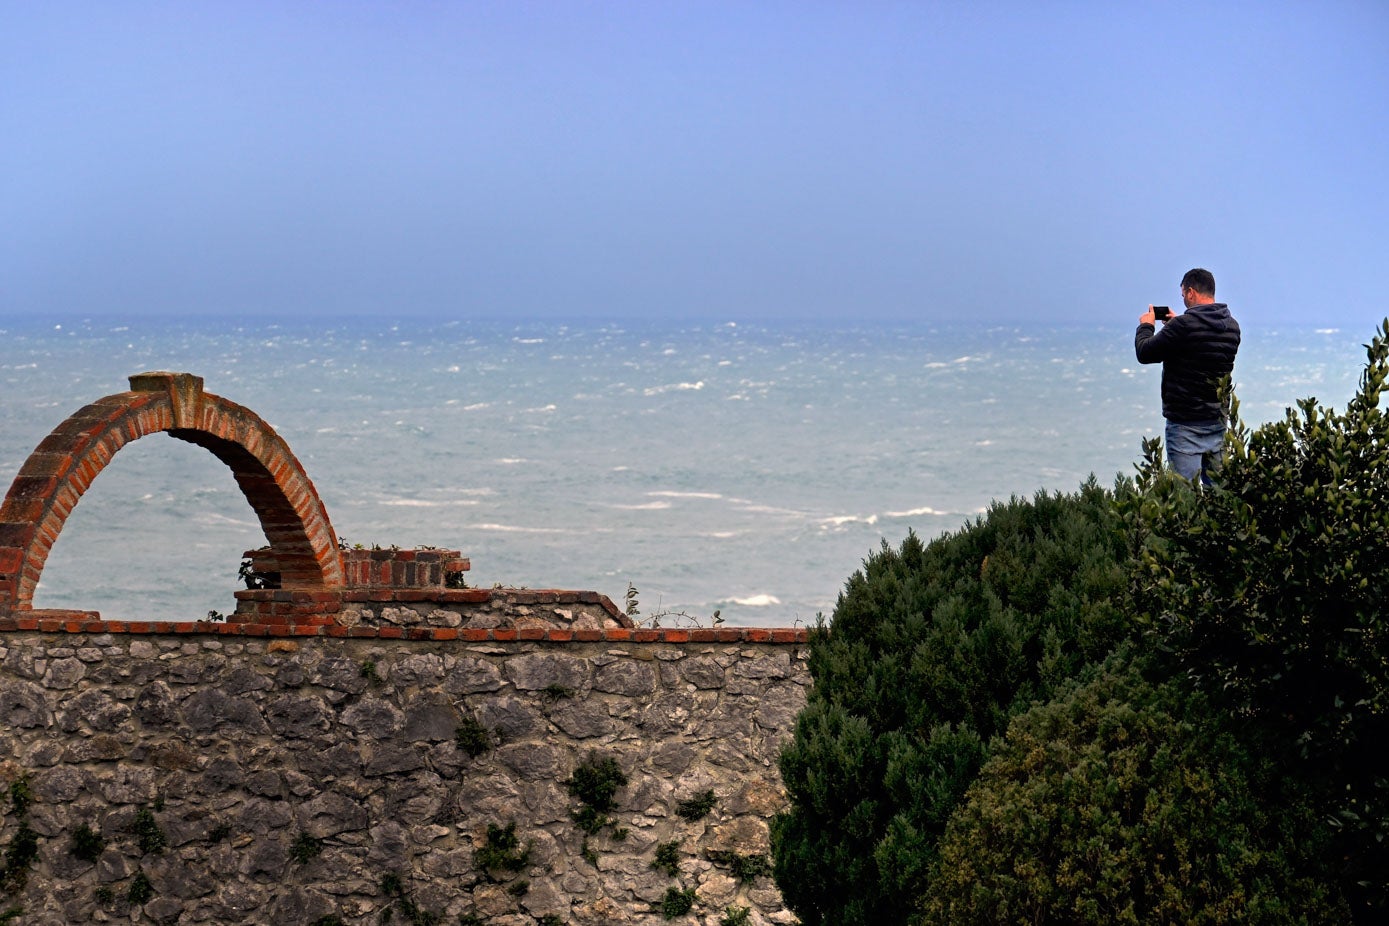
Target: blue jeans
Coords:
[[1196, 449]]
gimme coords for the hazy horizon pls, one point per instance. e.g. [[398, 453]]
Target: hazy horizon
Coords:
[[999, 162]]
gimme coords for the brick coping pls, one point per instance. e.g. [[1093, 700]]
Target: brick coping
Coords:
[[89, 622]]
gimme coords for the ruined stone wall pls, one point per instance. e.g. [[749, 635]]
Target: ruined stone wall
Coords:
[[223, 778]]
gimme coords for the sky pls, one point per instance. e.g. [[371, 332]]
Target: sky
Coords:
[[868, 162]]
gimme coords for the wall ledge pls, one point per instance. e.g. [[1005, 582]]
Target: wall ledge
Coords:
[[56, 621]]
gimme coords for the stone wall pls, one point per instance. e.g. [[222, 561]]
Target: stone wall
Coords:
[[327, 779]]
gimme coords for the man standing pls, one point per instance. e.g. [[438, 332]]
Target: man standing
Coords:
[[1196, 349]]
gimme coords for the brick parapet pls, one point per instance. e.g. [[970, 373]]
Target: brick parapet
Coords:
[[59, 621]]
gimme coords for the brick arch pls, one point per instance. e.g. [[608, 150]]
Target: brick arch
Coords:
[[62, 467]]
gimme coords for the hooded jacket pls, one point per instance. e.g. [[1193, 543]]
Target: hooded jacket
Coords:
[[1195, 349]]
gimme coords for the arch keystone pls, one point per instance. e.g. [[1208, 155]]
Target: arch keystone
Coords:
[[185, 393]]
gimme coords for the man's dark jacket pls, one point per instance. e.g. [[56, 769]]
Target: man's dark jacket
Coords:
[[1195, 349]]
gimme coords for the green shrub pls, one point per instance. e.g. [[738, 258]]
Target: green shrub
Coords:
[[87, 844], [677, 902], [502, 851], [148, 834], [596, 781], [736, 916], [305, 848], [667, 857], [932, 649], [472, 737], [19, 855], [140, 889], [744, 867], [1116, 804], [697, 807], [1268, 594]]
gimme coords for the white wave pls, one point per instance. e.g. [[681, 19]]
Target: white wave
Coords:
[[516, 529], [511, 461], [755, 508], [757, 601], [843, 519], [453, 368], [675, 387], [528, 340], [669, 494], [913, 513], [648, 506], [212, 517], [476, 406], [421, 503], [543, 408]]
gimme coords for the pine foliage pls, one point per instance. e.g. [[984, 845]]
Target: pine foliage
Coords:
[[932, 649], [1120, 803]]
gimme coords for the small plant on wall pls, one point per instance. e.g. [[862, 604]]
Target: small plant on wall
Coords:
[[595, 783], [473, 738], [502, 851], [697, 807]]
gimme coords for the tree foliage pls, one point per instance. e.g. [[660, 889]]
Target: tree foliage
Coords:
[[979, 745], [1268, 594], [932, 649], [1119, 803]]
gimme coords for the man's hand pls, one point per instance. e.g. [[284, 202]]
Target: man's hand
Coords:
[[1148, 318]]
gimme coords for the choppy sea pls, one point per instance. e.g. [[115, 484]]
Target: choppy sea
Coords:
[[735, 467]]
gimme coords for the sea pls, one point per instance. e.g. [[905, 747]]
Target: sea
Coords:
[[696, 469]]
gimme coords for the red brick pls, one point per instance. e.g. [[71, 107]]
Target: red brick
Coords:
[[504, 633], [589, 636], [532, 633], [391, 633], [677, 636], [464, 596], [446, 633], [475, 634], [10, 560], [619, 634], [560, 636]]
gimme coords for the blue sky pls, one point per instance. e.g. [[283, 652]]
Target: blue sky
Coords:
[[767, 161]]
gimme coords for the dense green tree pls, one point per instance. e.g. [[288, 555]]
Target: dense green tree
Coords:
[[1268, 594], [1242, 781], [932, 649], [1119, 802]]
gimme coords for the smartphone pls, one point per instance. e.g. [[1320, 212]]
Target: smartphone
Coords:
[[1161, 311]]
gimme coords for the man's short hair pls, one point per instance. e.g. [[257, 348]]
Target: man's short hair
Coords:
[[1203, 281]]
